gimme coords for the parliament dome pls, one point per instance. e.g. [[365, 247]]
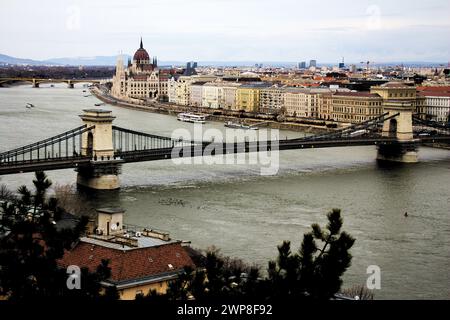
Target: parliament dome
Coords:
[[141, 54]]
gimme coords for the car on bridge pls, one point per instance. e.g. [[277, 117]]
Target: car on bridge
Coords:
[[355, 134]]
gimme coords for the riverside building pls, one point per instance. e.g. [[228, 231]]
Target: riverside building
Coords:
[[142, 80]]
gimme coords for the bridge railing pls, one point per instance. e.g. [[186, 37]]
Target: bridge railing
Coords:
[[63, 146]]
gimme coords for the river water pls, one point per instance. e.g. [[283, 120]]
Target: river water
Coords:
[[247, 215]]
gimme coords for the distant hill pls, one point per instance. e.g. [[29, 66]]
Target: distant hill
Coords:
[[4, 59], [87, 61], [111, 61]]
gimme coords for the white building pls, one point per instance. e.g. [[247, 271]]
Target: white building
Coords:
[[229, 95], [196, 95], [302, 102], [179, 90], [212, 95], [436, 105]]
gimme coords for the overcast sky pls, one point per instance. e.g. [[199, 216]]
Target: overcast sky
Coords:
[[225, 30]]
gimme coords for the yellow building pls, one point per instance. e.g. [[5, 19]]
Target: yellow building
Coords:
[[247, 97], [325, 107], [395, 91]]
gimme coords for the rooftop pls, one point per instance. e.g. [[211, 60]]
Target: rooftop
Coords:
[[126, 242], [308, 90], [198, 83], [256, 85], [444, 94], [129, 266], [357, 94], [110, 210], [396, 84]]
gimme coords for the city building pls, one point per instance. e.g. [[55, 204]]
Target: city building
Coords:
[[271, 100], [179, 90], [172, 89], [179, 87], [302, 65], [396, 91], [303, 102], [141, 260], [247, 96], [355, 107], [435, 105], [196, 93], [229, 95], [325, 106], [190, 69], [212, 95], [313, 64], [142, 80]]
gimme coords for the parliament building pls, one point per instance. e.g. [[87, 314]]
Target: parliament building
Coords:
[[141, 80]]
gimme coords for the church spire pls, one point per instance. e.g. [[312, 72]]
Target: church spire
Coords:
[[142, 47]]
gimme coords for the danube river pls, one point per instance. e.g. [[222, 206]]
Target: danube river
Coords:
[[248, 215]]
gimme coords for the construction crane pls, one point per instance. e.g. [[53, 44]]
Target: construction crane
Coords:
[[367, 64]]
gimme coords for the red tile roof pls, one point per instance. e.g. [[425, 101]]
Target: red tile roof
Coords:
[[140, 77], [128, 265], [433, 93], [437, 88]]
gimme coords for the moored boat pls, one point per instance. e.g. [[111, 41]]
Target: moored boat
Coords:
[[236, 125], [190, 117]]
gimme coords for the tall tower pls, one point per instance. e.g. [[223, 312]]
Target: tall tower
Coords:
[[116, 89], [399, 101], [119, 65], [103, 170]]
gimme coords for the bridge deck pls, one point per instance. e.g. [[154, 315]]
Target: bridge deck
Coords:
[[199, 150], [42, 165]]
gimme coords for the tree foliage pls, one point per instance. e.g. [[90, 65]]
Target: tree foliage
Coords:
[[313, 272], [29, 255]]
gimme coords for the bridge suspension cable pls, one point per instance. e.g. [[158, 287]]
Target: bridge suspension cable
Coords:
[[371, 123], [64, 145], [125, 140], [431, 124]]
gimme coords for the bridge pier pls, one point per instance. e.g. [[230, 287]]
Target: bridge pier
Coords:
[[404, 149], [100, 175], [70, 85], [35, 84], [404, 152], [103, 171]]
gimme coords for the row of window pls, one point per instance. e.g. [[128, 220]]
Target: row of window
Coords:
[[357, 103], [445, 102], [401, 95]]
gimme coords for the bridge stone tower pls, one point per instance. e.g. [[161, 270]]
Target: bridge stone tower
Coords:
[[399, 98], [103, 170]]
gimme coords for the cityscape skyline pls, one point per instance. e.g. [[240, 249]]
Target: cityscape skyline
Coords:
[[376, 31]]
